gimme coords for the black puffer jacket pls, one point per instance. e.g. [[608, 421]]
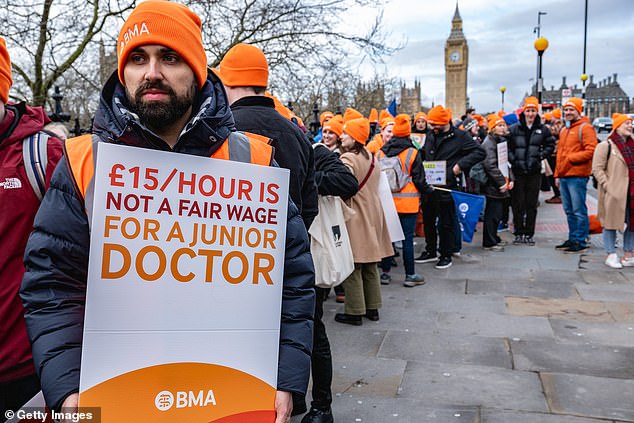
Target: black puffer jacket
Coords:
[[332, 176], [54, 286], [293, 151], [491, 167], [455, 147], [527, 147], [394, 147]]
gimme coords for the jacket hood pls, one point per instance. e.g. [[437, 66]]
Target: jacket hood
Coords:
[[30, 120], [396, 146], [210, 123]]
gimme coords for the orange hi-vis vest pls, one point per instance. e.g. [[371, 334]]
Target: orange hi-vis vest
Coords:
[[406, 200], [81, 161]]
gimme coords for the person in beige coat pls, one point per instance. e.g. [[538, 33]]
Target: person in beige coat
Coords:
[[367, 229], [613, 168]]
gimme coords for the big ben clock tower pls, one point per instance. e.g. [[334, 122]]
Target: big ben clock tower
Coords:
[[456, 65]]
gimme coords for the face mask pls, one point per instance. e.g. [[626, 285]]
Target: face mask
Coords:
[[568, 124]]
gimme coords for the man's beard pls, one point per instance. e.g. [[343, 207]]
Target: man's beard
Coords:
[[158, 115]]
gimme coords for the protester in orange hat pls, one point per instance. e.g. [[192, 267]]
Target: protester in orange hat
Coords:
[[368, 232], [575, 150], [419, 129], [613, 168], [323, 118], [497, 186], [379, 140], [384, 114], [374, 116], [162, 100], [332, 131], [20, 197], [400, 154], [459, 153], [530, 142]]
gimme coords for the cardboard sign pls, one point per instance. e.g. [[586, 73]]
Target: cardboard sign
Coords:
[[503, 158], [436, 172], [389, 210], [184, 288]]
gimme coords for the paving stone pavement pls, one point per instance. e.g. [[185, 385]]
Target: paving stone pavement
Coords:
[[521, 336]]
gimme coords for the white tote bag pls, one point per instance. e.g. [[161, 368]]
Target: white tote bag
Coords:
[[330, 243]]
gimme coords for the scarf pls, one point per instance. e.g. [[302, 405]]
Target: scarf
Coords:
[[626, 147]]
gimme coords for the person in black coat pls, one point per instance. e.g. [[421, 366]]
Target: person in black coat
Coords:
[[530, 142], [254, 112], [459, 152]]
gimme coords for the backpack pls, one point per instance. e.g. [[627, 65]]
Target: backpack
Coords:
[[595, 183], [393, 169], [35, 156], [478, 174]]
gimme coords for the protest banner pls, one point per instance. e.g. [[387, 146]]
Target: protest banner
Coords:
[[435, 172], [184, 288], [503, 158]]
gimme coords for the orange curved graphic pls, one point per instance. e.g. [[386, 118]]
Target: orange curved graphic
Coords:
[[183, 392]]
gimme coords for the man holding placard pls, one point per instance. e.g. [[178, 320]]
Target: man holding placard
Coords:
[[215, 232]]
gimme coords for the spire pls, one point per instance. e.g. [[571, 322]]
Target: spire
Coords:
[[456, 15]]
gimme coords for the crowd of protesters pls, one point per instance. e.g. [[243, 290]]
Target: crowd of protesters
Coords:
[[482, 155]]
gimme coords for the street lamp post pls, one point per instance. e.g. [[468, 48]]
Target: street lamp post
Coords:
[[541, 44], [584, 77], [502, 90]]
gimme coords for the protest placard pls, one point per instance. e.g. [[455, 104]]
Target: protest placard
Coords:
[[435, 172], [503, 158], [184, 288]]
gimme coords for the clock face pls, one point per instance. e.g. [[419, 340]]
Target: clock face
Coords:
[[455, 56]]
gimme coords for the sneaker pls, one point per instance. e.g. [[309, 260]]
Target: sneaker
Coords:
[[372, 314], [613, 261], [529, 240], [553, 200], [502, 243], [503, 227], [413, 280], [627, 261], [443, 263], [519, 239], [496, 248], [385, 279], [318, 416], [348, 319], [425, 257], [563, 245], [575, 247]]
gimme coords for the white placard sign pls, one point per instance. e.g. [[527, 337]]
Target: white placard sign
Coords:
[[503, 158], [184, 288], [436, 172]]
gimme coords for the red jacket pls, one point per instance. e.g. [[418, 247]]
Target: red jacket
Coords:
[[18, 205]]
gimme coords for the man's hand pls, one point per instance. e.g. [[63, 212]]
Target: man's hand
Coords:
[[456, 169], [511, 185], [283, 406], [557, 182], [504, 188], [70, 405]]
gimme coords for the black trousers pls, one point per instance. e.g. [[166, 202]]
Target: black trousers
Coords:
[[492, 215], [16, 393], [321, 360], [524, 196], [441, 223]]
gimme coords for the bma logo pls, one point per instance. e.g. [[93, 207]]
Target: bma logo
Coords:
[[165, 400], [336, 235], [463, 207]]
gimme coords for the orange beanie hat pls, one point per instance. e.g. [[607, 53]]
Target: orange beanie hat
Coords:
[[168, 24], [374, 116], [575, 102], [402, 126], [493, 120], [5, 72], [358, 129], [438, 115], [325, 116], [389, 120], [351, 114], [619, 119], [420, 115], [244, 65], [548, 116], [335, 125], [531, 102], [556, 113], [480, 119], [384, 114]]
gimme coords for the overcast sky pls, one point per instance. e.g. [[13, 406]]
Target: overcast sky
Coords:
[[500, 38]]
